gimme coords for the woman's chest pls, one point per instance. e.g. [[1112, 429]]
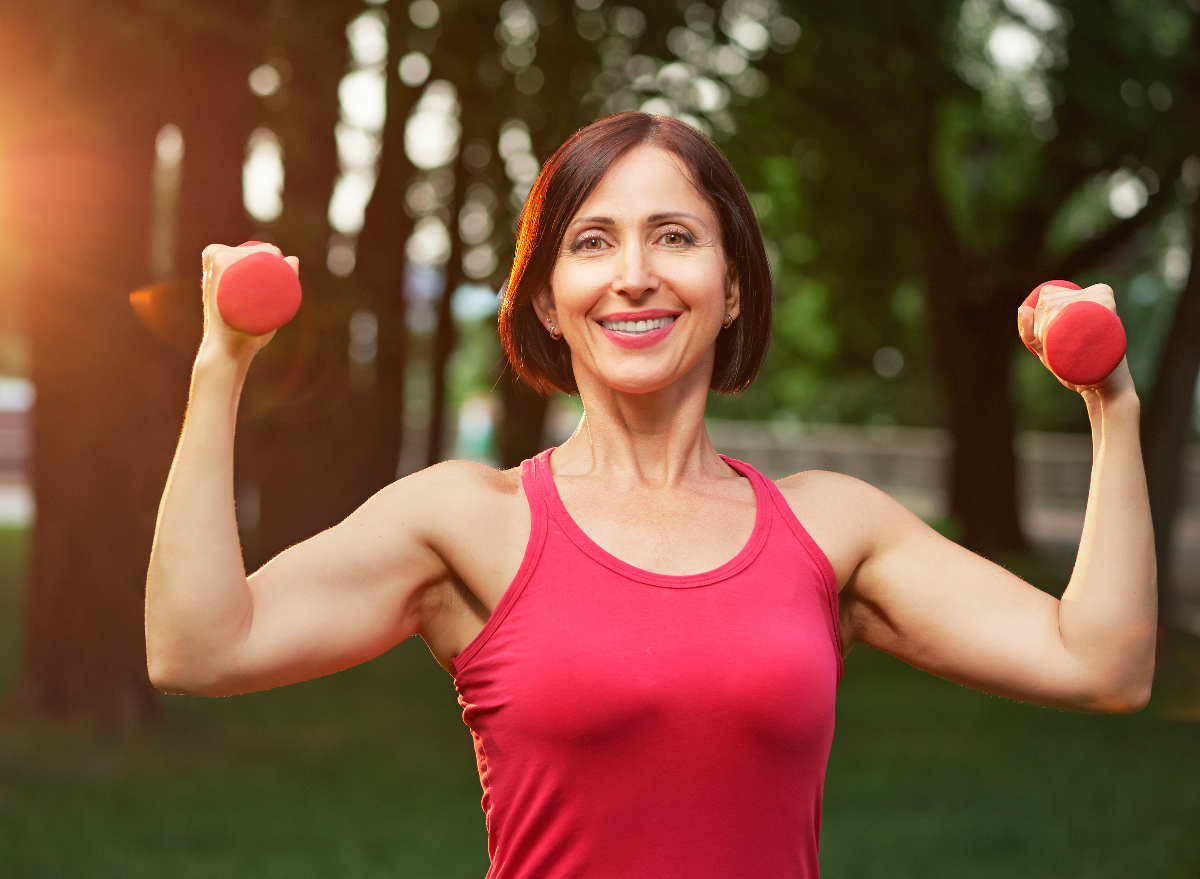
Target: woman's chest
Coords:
[[587, 662], [677, 533]]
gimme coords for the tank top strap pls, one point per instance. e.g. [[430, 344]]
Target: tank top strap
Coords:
[[538, 520], [538, 482], [783, 510]]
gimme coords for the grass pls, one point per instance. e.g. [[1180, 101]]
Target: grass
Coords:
[[370, 773], [930, 779]]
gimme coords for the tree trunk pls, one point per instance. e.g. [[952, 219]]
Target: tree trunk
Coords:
[[445, 335], [1168, 418], [519, 435], [971, 334], [111, 388], [294, 407], [103, 421], [379, 271], [974, 357], [320, 441]]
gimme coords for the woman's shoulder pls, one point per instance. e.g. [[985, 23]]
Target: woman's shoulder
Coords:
[[844, 515], [828, 496], [456, 508], [824, 487], [458, 486]]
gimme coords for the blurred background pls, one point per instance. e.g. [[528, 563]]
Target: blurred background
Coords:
[[916, 170]]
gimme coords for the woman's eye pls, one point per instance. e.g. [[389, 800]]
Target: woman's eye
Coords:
[[674, 237], [593, 243]]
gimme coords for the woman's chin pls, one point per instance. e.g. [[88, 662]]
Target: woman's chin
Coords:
[[624, 381], [643, 374], [643, 381]]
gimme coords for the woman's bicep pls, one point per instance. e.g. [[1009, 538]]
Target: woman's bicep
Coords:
[[946, 610], [340, 597]]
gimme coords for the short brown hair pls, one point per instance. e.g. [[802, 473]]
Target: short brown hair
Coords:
[[566, 181]]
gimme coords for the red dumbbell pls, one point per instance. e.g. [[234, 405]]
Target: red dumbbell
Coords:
[[258, 293], [1085, 341]]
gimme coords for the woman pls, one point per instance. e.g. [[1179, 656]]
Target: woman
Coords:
[[646, 637]]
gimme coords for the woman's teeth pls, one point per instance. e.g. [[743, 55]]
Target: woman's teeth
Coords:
[[638, 326]]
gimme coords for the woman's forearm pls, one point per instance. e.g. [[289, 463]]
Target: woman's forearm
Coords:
[[198, 605], [1108, 613]]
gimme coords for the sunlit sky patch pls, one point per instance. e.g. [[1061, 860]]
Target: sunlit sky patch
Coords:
[[362, 100], [1038, 13], [1014, 47], [431, 136], [262, 176]]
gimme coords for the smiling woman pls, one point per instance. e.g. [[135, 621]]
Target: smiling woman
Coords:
[[646, 637], [570, 179]]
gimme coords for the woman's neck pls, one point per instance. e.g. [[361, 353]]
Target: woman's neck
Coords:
[[656, 438]]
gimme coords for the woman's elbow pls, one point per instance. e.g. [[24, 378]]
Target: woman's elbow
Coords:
[[171, 675], [1134, 699], [1127, 696], [167, 677]]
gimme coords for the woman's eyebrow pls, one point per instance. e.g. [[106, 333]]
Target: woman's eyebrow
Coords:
[[653, 218]]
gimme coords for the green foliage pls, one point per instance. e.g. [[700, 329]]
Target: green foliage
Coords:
[[988, 166], [868, 107], [820, 366]]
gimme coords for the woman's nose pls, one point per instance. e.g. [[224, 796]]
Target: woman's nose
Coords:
[[635, 275]]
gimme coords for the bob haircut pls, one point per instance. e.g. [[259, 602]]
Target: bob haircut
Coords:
[[569, 177]]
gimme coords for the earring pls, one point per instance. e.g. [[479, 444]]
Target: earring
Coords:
[[728, 321], [553, 334]]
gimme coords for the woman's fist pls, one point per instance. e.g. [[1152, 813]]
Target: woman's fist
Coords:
[[1075, 332], [251, 288]]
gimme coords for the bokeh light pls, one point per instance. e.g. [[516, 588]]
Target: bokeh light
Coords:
[[262, 176], [431, 135]]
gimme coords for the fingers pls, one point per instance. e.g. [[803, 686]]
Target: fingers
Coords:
[[1101, 294], [1053, 299], [1075, 333], [1025, 321], [216, 259], [221, 255]]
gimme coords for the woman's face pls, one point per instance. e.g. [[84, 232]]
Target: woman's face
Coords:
[[639, 289]]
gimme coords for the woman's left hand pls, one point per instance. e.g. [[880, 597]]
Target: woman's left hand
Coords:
[[1034, 323]]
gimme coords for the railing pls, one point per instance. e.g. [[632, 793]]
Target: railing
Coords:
[[1054, 469]]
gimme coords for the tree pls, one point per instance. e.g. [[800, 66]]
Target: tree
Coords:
[[96, 84], [1167, 425], [308, 449], [937, 166]]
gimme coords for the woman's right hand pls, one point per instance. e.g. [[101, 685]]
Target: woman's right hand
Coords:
[[219, 338]]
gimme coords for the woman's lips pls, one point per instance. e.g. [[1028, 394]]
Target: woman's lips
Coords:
[[637, 340]]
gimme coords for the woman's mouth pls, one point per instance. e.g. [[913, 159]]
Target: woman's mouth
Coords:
[[638, 326], [640, 333]]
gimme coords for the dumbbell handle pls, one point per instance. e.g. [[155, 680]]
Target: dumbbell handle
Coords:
[[1084, 342]]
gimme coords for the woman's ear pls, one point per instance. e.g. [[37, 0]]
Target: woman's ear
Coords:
[[543, 305], [733, 295]]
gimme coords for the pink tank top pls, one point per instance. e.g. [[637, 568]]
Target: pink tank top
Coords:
[[631, 724]]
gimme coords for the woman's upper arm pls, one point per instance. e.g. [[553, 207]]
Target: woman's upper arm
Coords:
[[352, 591], [911, 592]]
